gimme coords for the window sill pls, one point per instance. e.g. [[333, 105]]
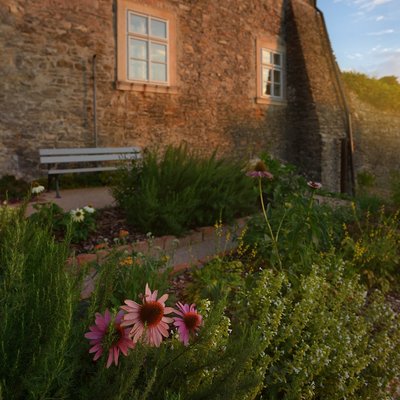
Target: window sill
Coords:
[[275, 102], [146, 87]]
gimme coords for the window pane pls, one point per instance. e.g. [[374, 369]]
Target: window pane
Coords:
[[277, 76], [277, 59], [159, 72], [277, 90], [267, 88], [158, 52], [138, 24], [158, 28], [138, 70], [138, 49], [266, 57], [267, 75]]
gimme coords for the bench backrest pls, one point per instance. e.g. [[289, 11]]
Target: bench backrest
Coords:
[[72, 155]]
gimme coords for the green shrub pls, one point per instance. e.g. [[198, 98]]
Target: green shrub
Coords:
[[12, 188], [372, 248], [321, 339], [395, 187], [383, 94], [303, 228], [61, 222], [38, 301], [286, 183], [180, 190]]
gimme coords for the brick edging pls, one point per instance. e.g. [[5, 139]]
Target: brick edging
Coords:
[[163, 244]]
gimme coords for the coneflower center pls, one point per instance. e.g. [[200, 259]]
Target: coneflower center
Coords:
[[191, 320], [151, 313]]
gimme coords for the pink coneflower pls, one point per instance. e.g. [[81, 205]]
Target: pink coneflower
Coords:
[[148, 319], [260, 174], [260, 171], [189, 321], [314, 185], [107, 335]]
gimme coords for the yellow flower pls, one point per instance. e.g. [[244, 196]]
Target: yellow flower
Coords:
[[126, 262]]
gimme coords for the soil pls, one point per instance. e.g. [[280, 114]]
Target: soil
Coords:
[[111, 228]]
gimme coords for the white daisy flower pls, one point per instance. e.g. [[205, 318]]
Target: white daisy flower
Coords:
[[37, 189], [77, 215], [89, 209]]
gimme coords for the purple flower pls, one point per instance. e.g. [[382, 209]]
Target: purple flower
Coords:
[[314, 185], [260, 174], [188, 322], [107, 334]]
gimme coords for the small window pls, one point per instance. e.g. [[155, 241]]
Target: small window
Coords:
[[270, 70], [272, 77], [146, 48]]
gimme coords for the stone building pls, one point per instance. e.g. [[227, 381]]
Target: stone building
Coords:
[[240, 76]]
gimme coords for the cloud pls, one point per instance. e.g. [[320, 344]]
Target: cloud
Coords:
[[379, 18], [355, 56], [365, 5], [384, 32], [389, 64]]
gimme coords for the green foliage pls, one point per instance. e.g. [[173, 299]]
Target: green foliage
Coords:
[[395, 187], [365, 180], [38, 299], [12, 188], [215, 279], [50, 214], [82, 180], [180, 190], [303, 228], [383, 94], [286, 183], [372, 248], [321, 339]]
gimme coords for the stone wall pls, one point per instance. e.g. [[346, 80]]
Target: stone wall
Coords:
[[376, 141], [46, 91]]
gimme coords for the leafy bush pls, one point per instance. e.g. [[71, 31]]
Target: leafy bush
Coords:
[[302, 228], [38, 304], [168, 195], [373, 248], [321, 339], [365, 180], [286, 183], [395, 187], [383, 94], [12, 188], [79, 223]]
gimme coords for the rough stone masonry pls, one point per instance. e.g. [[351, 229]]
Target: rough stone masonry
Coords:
[[46, 88]]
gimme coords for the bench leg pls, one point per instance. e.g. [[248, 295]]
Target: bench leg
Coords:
[[48, 182], [57, 188]]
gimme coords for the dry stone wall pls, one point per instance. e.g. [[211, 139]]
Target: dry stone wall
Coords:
[[376, 141], [46, 90]]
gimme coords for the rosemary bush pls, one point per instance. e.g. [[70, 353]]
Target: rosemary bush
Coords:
[[180, 190], [38, 299]]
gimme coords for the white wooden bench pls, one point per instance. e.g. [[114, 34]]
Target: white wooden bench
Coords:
[[58, 160]]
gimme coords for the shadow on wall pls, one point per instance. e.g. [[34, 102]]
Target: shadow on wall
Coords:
[[304, 146]]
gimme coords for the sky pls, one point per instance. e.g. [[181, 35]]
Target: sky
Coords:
[[365, 35]]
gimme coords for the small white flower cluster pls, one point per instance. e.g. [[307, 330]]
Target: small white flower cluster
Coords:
[[37, 189], [78, 215]]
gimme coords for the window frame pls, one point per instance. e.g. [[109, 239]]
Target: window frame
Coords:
[[126, 8], [273, 45]]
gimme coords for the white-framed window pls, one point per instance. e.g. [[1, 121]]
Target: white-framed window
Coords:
[[271, 70], [148, 48], [271, 74]]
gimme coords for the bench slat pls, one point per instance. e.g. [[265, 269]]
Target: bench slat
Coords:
[[89, 150], [73, 170], [88, 158]]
